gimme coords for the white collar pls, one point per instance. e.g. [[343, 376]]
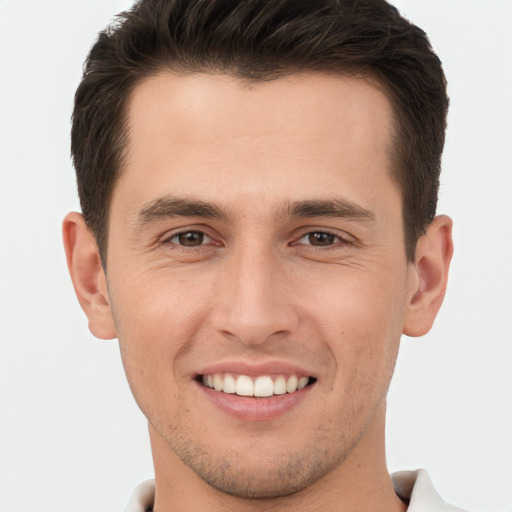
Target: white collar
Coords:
[[413, 487]]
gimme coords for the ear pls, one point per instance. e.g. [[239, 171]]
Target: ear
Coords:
[[87, 274], [432, 262]]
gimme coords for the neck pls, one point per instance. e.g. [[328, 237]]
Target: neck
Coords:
[[361, 482]]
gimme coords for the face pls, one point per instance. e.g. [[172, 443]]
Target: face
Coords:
[[256, 244]]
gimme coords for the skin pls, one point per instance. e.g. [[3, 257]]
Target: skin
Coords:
[[257, 286]]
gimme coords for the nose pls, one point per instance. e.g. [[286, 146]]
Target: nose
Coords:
[[254, 303]]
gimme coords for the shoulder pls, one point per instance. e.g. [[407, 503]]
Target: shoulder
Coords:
[[415, 488], [142, 498]]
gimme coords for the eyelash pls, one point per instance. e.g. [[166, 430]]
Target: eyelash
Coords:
[[339, 239], [169, 240]]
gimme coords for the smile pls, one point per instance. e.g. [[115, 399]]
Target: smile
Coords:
[[260, 386]]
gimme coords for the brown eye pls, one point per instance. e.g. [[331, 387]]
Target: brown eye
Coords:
[[320, 238], [189, 238]]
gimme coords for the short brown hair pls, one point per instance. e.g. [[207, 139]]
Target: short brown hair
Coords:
[[261, 40]]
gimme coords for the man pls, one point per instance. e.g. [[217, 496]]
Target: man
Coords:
[[258, 184]]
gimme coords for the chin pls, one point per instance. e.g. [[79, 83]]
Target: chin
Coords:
[[259, 481], [262, 476]]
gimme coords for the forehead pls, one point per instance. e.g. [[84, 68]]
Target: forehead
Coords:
[[284, 137], [299, 104]]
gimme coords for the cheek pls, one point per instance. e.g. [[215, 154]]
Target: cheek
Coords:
[[359, 316], [356, 300], [157, 311], [157, 322]]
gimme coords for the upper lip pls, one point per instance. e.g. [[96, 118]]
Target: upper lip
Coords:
[[255, 369]]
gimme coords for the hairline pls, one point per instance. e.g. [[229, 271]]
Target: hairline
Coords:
[[371, 77]]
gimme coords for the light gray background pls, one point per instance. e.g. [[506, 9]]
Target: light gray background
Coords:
[[71, 437]]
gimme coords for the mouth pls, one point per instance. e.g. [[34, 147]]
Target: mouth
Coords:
[[261, 386]]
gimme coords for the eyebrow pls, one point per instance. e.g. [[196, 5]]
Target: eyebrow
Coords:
[[170, 206], [334, 208]]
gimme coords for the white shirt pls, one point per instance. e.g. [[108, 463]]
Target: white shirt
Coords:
[[413, 487]]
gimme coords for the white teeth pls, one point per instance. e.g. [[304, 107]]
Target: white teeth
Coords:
[[280, 386], [244, 386], [303, 381], [262, 386], [291, 384], [229, 384], [218, 382]]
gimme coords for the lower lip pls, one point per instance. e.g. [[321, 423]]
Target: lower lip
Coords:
[[255, 408]]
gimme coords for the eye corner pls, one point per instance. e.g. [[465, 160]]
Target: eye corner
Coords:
[[322, 238], [189, 239]]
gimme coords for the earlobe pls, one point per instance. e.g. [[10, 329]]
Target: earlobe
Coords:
[[433, 255], [87, 274]]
